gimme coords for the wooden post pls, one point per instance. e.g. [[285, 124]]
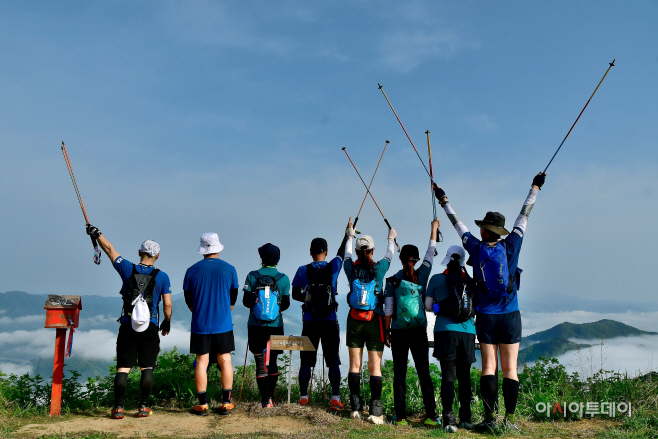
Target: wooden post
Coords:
[[58, 372]]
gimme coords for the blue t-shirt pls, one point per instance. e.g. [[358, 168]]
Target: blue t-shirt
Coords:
[[301, 280], [380, 269], [125, 269], [423, 275], [438, 291], [501, 305], [283, 285], [211, 281]]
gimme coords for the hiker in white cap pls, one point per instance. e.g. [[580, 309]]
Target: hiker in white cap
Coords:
[[138, 342], [211, 290], [365, 321]]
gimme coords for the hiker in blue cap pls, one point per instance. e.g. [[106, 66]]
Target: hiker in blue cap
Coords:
[[406, 325], [315, 285], [267, 295], [497, 276]]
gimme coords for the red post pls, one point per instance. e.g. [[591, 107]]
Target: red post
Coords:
[[58, 372]]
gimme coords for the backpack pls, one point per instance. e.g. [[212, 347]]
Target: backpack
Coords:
[[139, 296], [495, 279], [268, 297], [409, 309], [459, 304], [363, 297], [320, 298]]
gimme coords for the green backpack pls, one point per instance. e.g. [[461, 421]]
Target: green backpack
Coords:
[[409, 307]]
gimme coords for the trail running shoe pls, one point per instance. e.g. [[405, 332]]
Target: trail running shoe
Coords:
[[303, 400], [402, 422], [433, 422], [509, 426], [200, 409], [377, 420], [225, 408], [336, 405], [356, 415], [269, 404], [486, 427], [117, 413], [144, 412], [466, 425], [449, 422]]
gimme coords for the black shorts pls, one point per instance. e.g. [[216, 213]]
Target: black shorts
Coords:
[[327, 331], [137, 348], [258, 336], [448, 345], [202, 344], [499, 328]]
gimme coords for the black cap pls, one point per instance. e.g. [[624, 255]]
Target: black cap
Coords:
[[319, 245], [269, 254], [409, 251]]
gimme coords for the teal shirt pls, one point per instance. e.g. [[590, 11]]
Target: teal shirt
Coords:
[[381, 268], [284, 289], [423, 275], [437, 289]]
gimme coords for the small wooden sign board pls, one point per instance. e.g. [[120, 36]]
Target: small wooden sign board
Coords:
[[290, 343]]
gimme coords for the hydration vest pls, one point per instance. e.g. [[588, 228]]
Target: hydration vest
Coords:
[[363, 297], [140, 285], [495, 280], [459, 304], [320, 298], [409, 311], [268, 297]]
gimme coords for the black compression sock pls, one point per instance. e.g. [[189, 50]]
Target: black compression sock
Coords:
[[120, 385], [334, 379], [376, 387], [489, 389], [226, 396], [354, 383], [203, 400], [263, 388], [510, 395], [304, 379], [145, 386]]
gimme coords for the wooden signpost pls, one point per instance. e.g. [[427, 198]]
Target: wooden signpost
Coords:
[[290, 343]]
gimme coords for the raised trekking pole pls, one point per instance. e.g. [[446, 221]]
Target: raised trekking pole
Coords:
[[439, 235], [97, 250], [244, 369], [611, 65], [371, 180], [373, 198]]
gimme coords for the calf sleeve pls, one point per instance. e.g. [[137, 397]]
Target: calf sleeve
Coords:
[[354, 383], [304, 378], [120, 385], [263, 388], [260, 366], [272, 377], [489, 389], [375, 387], [145, 386], [510, 395], [334, 379]]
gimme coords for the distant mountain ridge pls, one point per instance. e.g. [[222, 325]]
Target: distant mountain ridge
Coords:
[[548, 349]]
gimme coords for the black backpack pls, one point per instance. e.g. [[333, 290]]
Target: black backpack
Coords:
[[320, 299], [459, 305], [139, 284]]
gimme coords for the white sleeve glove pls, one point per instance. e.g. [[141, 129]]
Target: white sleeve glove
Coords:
[[392, 233]]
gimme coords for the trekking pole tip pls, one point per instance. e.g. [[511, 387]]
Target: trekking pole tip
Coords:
[[388, 141], [343, 148], [380, 86], [612, 64], [427, 132]]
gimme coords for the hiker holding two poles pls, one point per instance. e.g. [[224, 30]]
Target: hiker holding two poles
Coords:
[[497, 277]]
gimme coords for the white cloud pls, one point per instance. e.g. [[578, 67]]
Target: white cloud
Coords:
[[9, 368], [5, 320]]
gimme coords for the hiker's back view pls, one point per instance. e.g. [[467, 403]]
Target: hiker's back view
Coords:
[[211, 290], [365, 321], [267, 295], [138, 342], [315, 285], [498, 322]]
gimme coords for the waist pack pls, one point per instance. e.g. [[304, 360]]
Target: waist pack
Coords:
[[138, 299], [409, 309], [495, 279], [459, 304], [320, 299], [268, 297]]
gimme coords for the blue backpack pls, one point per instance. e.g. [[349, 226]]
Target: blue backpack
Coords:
[[495, 279], [268, 297], [363, 296]]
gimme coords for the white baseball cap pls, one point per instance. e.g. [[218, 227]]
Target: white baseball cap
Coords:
[[365, 242], [452, 250], [210, 244], [151, 247]]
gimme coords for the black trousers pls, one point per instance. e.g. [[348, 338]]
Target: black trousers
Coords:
[[402, 342]]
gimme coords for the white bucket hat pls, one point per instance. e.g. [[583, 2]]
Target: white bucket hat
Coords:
[[151, 247], [210, 244], [452, 250], [365, 242]]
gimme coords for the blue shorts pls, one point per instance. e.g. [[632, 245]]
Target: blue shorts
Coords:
[[499, 328]]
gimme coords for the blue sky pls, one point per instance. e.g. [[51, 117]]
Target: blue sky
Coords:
[[188, 117]]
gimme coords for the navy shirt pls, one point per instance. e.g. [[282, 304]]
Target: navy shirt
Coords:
[[301, 280], [211, 281], [497, 305], [125, 269]]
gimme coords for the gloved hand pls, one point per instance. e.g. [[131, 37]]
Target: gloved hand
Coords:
[[539, 180], [93, 231], [392, 233], [349, 231], [440, 195], [165, 327], [435, 308]]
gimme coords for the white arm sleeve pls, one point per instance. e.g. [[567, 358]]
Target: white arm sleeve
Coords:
[[390, 250], [522, 219], [429, 304], [348, 248], [456, 222], [429, 255], [388, 306]]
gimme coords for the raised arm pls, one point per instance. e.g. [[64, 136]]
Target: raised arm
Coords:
[[452, 216], [522, 220], [390, 246], [349, 234], [105, 245]]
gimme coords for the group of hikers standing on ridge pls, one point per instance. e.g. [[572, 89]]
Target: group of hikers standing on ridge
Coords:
[[383, 312]]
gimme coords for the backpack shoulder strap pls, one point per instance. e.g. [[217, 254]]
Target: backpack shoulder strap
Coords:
[[279, 276]]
